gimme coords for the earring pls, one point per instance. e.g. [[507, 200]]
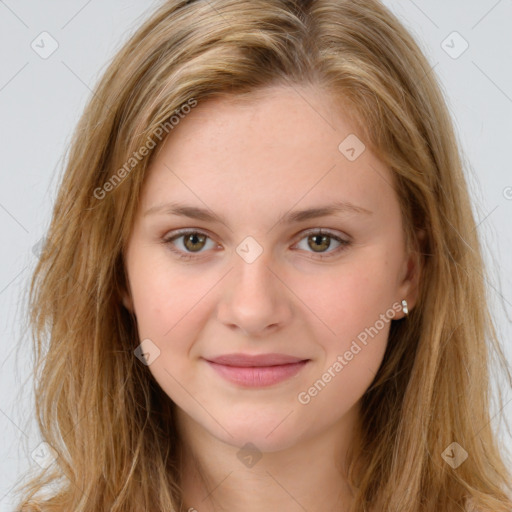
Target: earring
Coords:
[[405, 309]]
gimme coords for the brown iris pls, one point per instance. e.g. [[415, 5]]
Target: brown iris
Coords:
[[192, 241], [321, 242]]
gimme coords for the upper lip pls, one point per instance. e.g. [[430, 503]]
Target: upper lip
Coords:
[[255, 360]]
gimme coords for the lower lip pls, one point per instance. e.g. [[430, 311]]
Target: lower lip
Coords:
[[258, 376]]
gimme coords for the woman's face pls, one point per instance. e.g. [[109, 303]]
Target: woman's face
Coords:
[[255, 276]]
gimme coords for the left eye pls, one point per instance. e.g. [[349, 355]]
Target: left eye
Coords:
[[194, 241], [321, 239]]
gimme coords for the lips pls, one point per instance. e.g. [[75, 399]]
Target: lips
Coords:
[[260, 360], [255, 371]]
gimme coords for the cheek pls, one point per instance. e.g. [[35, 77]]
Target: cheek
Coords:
[[350, 312], [351, 296], [352, 339], [167, 303], [169, 307]]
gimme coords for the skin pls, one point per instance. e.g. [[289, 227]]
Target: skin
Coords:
[[252, 161]]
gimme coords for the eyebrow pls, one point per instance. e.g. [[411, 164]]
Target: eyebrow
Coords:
[[194, 212]]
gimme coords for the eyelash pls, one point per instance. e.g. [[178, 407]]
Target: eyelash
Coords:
[[188, 256]]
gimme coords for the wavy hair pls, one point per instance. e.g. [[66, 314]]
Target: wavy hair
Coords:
[[102, 412]]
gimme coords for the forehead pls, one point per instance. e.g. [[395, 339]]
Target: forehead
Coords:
[[267, 150]]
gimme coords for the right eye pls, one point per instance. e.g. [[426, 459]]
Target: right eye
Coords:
[[192, 240]]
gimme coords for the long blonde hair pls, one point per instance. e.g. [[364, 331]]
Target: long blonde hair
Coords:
[[100, 409]]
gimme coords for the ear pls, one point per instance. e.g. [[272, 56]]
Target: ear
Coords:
[[124, 286], [409, 286], [127, 300]]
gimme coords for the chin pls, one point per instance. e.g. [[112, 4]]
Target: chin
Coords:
[[267, 437]]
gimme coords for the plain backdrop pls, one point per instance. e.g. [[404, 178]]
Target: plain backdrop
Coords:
[[468, 43]]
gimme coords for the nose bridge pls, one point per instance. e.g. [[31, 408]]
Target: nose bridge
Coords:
[[252, 278], [253, 298]]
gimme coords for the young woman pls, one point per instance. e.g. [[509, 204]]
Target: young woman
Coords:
[[262, 285]]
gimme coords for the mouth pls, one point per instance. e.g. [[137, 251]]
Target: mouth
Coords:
[[257, 371]]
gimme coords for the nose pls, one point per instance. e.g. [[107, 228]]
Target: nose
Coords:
[[255, 299]]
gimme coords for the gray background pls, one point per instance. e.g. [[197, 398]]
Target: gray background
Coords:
[[41, 100]]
